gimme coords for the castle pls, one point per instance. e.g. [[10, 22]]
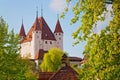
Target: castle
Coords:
[[40, 39]]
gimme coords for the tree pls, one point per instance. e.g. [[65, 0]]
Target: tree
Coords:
[[102, 50], [12, 67], [52, 60]]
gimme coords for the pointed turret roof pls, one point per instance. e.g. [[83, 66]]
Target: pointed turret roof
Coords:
[[22, 31], [58, 27], [37, 26], [46, 32]]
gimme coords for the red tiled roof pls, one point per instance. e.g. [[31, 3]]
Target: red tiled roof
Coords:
[[46, 32], [75, 59], [58, 27], [65, 73], [45, 75], [36, 24], [22, 31]]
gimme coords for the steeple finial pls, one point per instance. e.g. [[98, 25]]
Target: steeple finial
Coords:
[[41, 10], [22, 20], [37, 12], [57, 16]]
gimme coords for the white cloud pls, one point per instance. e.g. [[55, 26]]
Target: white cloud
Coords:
[[57, 5]]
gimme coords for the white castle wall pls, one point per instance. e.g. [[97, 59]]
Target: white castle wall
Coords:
[[48, 44], [29, 49], [36, 41], [25, 49], [59, 38]]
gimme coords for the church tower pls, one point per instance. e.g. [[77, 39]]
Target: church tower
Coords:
[[58, 33]]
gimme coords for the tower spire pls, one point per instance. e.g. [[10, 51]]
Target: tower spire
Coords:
[[58, 16], [37, 21], [22, 20], [41, 10], [37, 12], [22, 31]]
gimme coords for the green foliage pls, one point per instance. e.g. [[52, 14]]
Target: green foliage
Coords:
[[52, 60], [12, 67], [102, 50]]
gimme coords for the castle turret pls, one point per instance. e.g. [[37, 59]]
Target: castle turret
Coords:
[[58, 33], [22, 32], [36, 37]]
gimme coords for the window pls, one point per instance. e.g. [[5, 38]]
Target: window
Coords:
[[59, 33], [56, 33], [59, 38], [37, 36], [36, 31], [50, 42], [46, 42]]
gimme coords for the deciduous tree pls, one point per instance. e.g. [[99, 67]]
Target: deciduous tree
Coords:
[[52, 60], [12, 67], [102, 50]]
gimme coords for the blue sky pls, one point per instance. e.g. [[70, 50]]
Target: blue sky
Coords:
[[14, 10]]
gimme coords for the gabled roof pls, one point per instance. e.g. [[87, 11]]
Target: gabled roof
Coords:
[[46, 32], [65, 73], [58, 27], [75, 59], [45, 75], [22, 31]]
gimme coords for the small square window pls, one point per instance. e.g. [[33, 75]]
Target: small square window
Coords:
[[50, 42], [37, 36], [46, 42]]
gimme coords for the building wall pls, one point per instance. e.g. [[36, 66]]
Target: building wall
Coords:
[[48, 44], [36, 41], [29, 49], [25, 49], [59, 38]]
